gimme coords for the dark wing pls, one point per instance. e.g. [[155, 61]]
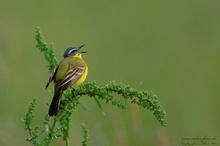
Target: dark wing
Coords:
[[71, 77], [52, 76]]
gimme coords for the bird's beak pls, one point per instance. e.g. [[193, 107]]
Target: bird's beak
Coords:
[[81, 47]]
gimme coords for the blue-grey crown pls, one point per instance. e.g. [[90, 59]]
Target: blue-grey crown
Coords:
[[71, 51]]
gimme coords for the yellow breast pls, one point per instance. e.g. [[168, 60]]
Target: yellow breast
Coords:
[[83, 77], [66, 64]]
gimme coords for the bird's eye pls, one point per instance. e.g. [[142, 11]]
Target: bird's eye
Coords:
[[72, 51]]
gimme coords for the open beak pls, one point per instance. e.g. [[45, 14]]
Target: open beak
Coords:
[[81, 47]]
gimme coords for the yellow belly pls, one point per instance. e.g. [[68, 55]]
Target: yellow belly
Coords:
[[83, 77]]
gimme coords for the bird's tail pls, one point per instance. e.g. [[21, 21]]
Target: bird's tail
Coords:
[[54, 104]]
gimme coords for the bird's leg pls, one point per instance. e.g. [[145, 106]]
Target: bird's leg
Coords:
[[62, 102], [73, 92]]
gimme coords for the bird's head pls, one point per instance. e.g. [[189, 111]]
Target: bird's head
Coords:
[[72, 51]]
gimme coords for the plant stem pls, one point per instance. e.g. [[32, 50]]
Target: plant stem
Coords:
[[67, 142], [51, 132], [67, 132], [29, 130]]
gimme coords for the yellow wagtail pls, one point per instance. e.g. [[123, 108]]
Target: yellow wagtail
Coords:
[[71, 72]]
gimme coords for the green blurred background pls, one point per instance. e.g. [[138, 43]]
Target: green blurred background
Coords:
[[169, 47]]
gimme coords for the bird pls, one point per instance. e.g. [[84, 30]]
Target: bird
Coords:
[[70, 72]]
